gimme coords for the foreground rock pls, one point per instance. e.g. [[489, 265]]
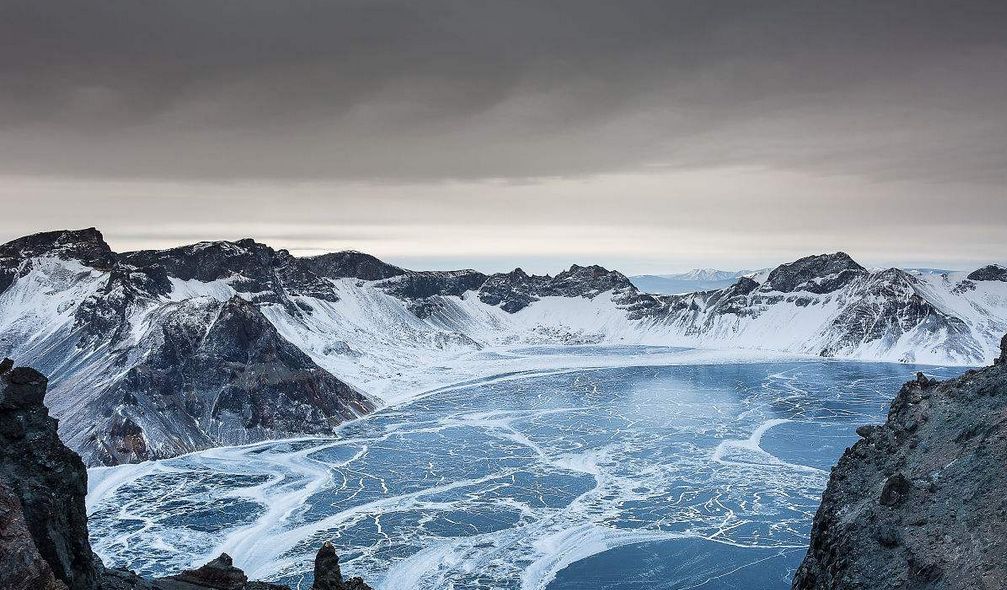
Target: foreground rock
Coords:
[[46, 478], [44, 542], [920, 501], [22, 567]]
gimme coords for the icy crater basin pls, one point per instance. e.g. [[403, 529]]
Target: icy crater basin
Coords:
[[703, 476]]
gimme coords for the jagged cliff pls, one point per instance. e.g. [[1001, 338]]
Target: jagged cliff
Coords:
[[919, 502], [43, 523], [47, 479]]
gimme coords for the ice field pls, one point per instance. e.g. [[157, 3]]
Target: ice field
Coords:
[[689, 476]]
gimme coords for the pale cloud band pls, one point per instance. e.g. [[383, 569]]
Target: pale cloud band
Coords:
[[640, 132], [637, 223]]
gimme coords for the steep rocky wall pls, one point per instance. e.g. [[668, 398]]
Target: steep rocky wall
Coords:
[[921, 501], [48, 479]]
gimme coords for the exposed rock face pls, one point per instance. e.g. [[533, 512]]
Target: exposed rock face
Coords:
[[247, 266], [219, 573], [816, 274], [104, 316], [327, 574], [48, 479], [22, 567], [516, 290], [218, 374], [351, 264], [888, 304], [511, 291], [43, 524], [421, 289], [86, 245], [205, 371], [919, 502], [992, 272]]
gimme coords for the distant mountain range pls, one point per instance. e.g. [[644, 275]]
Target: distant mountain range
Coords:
[[155, 353], [697, 279]]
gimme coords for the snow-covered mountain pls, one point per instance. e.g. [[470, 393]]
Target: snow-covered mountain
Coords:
[[697, 279], [156, 353]]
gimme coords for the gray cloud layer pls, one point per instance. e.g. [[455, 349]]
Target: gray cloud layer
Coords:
[[406, 91]]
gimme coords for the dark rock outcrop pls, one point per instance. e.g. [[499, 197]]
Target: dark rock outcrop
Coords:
[[271, 276], [512, 291], [919, 501], [327, 574], [823, 273], [887, 305], [22, 567], [516, 290], [422, 290], [219, 369], [86, 245], [219, 574], [103, 317], [48, 479], [992, 272], [351, 264], [44, 541]]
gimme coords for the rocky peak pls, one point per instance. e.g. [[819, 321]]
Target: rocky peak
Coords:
[[104, 316], [248, 266], [1003, 352], [420, 290], [516, 290], [587, 281], [732, 299], [86, 245], [327, 574], [823, 273], [351, 264], [992, 272], [512, 291], [209, 261], [216, 369]]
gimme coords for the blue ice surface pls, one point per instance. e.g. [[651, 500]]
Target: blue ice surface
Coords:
[[625, 478]]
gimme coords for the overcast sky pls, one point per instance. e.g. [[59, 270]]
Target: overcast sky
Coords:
[[647, 136]]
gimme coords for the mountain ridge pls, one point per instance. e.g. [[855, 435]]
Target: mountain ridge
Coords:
[[362, 328]]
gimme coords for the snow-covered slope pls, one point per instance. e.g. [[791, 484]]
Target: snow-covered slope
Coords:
[[156, 353]]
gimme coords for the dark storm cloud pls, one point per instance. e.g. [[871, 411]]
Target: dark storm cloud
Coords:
[[428, 90]]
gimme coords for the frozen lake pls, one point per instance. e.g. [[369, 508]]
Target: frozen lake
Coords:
[[703, 476]]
